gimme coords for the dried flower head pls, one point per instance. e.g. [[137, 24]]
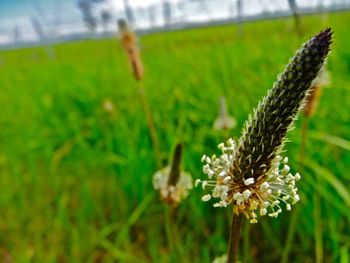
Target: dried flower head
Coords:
[[313, 97], [174, 185], [129, 42], [172, 194], [250, 174], [224, 121]]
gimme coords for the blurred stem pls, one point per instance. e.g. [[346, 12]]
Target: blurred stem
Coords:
[[150, 124], [297, 22], [294, 8], [294, 218], [246, 242], [170, 227], [290, 235], [303, 143], [234, 238], [270, 238], [318, 227], [239, 17]]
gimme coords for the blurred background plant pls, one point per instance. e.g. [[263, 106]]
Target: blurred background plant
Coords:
[[224, 121], [75, 171], [174, 185]]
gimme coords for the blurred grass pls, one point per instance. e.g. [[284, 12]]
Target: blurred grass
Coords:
[[76, 180]]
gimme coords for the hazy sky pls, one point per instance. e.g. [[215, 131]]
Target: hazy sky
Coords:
[[16, 16], [63, 16], [14, 11], [13, 8]]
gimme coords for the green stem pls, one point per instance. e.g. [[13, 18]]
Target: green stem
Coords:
[[171, 233], [294, 217], [318, 228], [150, 125], [246, 242], [234, 238], [290, 235]]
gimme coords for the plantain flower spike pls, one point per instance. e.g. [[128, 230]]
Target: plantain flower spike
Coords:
[[322, 80], [129, 42], [250, 174], [224, 121], [173, 184]]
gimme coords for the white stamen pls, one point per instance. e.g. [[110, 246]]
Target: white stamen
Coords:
[[227, 179], [285, 169], [206, 198], [264, 186], [246, 194], [263, 211], [222, 174], [249, 181], [204, 184], [223, 196], [253, 221]]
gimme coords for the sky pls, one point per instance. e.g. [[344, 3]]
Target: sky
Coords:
[[64, 13], [62, 17], [14, 8]]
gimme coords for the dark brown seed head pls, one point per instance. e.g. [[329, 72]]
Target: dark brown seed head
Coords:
[[175, 166], [264, 134]]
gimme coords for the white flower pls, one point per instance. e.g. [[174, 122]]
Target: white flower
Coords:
[[265, 195], [173, 194], [224, 121]]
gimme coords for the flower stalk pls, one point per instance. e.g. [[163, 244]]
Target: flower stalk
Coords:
[[235, 232], [150, 124], [128, 39], [174, 186], [129, 43], [310, 108], [250, 174]]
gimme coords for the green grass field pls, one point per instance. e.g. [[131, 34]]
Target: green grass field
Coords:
[[76, 180]]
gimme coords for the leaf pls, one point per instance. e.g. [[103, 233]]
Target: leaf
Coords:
[[330, 139], [331, 179], [135, 215], [344, 254]]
